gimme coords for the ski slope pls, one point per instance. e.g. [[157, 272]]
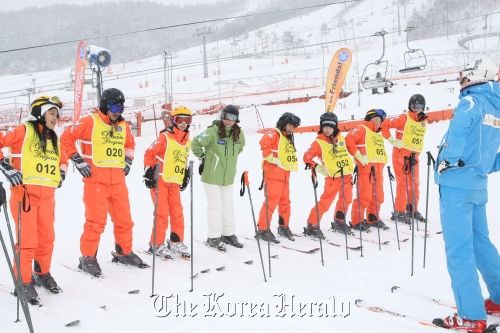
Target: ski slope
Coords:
[[301, 295]]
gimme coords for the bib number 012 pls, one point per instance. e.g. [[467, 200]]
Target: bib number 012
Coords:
[[50, 169]]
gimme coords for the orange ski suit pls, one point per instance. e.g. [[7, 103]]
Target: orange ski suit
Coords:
[[105, 191], [369, 197], [169, 195], [37, 225], [278, 183], [404, 190], [333, 185]]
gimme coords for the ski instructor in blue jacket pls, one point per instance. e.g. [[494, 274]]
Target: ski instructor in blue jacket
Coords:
[[467, 154]]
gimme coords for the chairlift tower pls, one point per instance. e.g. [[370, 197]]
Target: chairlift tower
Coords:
[[411, 55], [205, 31]]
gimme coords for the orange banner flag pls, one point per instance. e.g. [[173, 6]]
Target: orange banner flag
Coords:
[[79, 80], [337, 72]]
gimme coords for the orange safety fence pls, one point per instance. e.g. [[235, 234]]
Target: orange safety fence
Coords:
[[347, 126]]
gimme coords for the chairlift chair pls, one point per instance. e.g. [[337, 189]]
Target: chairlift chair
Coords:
[[379, 81], [411, 55]]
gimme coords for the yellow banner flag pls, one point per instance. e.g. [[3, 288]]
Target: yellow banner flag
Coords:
[[339, 66]]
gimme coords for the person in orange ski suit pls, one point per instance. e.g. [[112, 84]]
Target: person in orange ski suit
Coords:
[[108, 148], [409, 138], [330, 148], [367, 146], [171, 150], [37, 169], [278, 150]]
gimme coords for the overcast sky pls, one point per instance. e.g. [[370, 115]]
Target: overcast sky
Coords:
[[21, 4]]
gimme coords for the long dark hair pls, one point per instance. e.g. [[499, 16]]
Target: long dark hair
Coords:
[[44, 135], [235, 131]]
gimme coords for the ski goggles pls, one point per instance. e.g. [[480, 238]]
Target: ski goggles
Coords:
[[294, 120], [376, 113], [417, 106], [54, 100], [115, 108], [229, 116], [179, 120]]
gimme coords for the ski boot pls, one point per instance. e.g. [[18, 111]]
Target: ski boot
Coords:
[[375, 222], [30, 292], [342, 227], [129, 259], [365, 227], [232, 240], [217, 243], [456, 323], [401, 216], [44, 280], [285, 232], [313, 231], [89, 264], [418, 217], [161, 250], [179, 249], [266, 235], [491, 307]]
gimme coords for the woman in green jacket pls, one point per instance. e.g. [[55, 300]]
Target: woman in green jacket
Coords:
[[217, 149]]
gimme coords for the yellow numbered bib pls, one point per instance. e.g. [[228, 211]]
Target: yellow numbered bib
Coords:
[[375, 148], [108, 151], [413, 134], [176, 156], [336, 160], [39, 168], [287, 154]]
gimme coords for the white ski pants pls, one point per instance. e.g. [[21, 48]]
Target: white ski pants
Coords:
[[220, 210]]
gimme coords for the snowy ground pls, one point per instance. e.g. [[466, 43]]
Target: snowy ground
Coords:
[[245, 302]]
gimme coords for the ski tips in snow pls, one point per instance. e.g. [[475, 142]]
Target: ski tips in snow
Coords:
[[394, 288], [220, 268], [248, 262], [135, 291], [73, 323]]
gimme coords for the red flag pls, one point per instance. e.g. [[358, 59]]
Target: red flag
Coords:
[[79, 80], [339, 66]]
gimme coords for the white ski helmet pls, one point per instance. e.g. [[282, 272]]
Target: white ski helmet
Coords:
[[481, 70]]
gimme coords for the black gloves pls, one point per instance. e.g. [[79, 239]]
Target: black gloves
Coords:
[[63, 177], [149, 177], [422, 116], [15, 177], [187, 178], [128, 164], [445, 165], [202, 164], [82, 166]]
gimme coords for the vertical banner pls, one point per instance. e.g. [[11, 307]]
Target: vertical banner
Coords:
[[339, 66], [79, 80]]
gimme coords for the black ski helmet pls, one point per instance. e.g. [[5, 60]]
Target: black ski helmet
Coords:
[[416, 99], [288, 118], [231, 109], [111, 94], [328, 119]]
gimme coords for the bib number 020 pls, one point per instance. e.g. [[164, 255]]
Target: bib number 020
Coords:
[[115, 152]]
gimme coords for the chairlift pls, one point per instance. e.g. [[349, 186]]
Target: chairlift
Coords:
[[379, 81], [412, 56]]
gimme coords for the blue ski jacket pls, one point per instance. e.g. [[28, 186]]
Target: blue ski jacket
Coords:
[[473, 137]]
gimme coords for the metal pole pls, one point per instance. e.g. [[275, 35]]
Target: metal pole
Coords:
[[268, 229], [413, 208], [192, 253], [322, 47], [205, 65], [376, 204], [429, 159], [165, 77], [391, 178], [315, 185]]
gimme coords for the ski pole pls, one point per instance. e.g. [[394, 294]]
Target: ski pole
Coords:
[[429, 159], [372, 171], [314, 180], [359, 207], [17, 281], [155, 220], [268, 229], [246, 182], [18, 249], [343, 202], [413, 208], [405, 171], [391, 178], [190, 170]]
